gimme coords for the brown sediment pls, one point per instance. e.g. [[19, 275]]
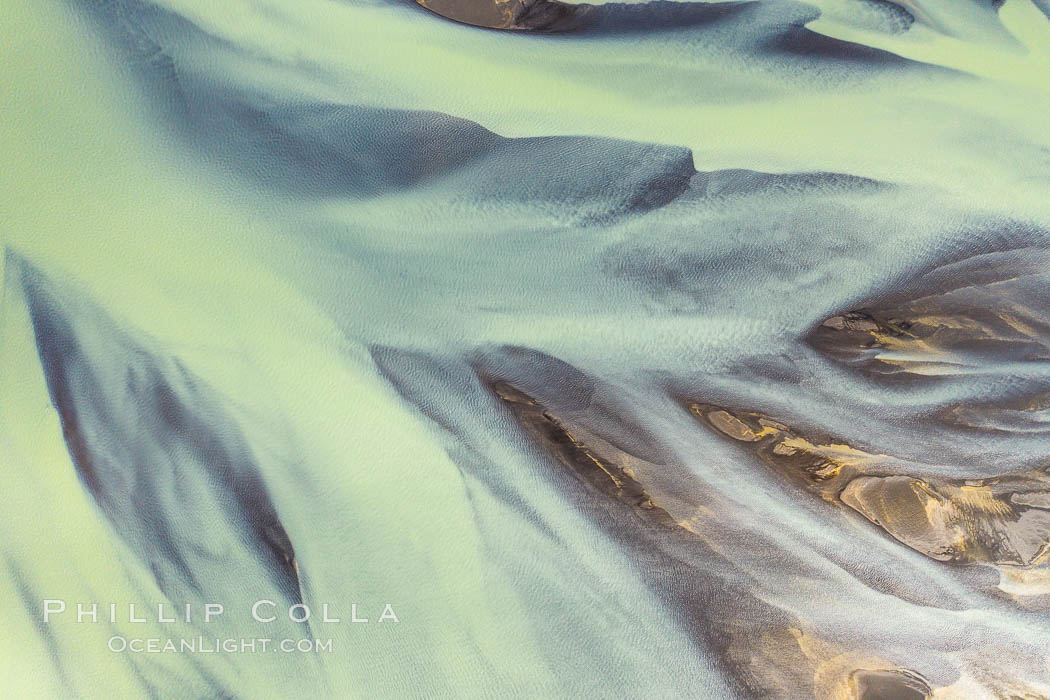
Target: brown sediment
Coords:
[[758, 651], [843, 674], [823, 468], [598, 471], [977, 521], [767, 654], [887, 684], [1003, 520], [764, 654], [890, 342], [959, 320], [519, 15], [771, 656], [1028, 413]]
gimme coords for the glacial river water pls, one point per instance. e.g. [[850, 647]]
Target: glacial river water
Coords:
[[694, 350]]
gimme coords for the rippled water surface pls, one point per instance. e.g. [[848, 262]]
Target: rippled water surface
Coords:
[[667, 349]]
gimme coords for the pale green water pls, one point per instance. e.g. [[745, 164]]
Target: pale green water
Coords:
[[273, 293]]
